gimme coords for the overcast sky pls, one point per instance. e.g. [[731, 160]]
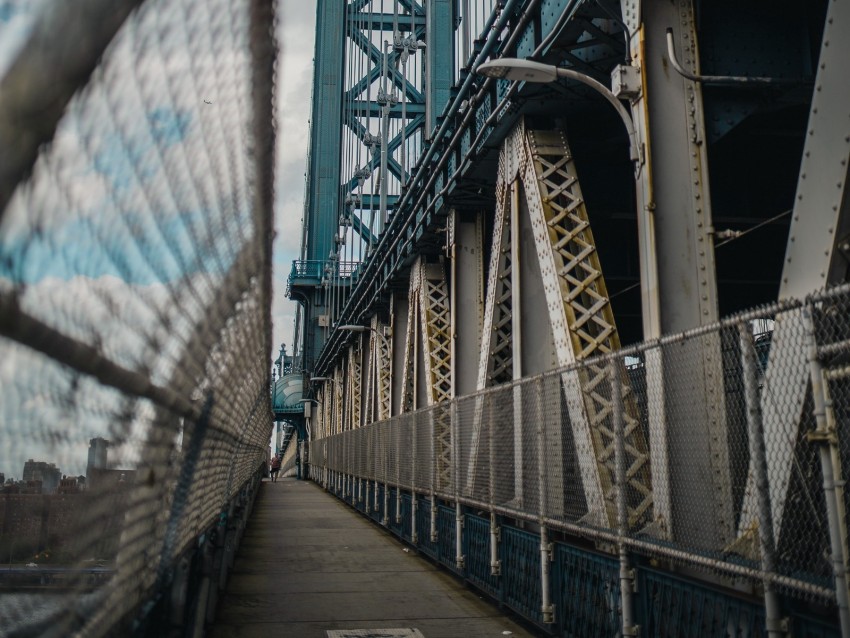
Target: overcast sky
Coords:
[[296, 36]]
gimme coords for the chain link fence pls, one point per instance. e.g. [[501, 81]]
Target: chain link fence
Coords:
[[134, 306], [711, 449]]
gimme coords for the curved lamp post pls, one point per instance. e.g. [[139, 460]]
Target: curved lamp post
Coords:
[[539, 73]]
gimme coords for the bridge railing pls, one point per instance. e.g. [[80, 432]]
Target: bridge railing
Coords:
[[528, 452]]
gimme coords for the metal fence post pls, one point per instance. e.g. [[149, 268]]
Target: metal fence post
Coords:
[[455, 439], [367, 456], [414, 505], [432, 437], [627, 575], [826, 438], [495, 532], [398, 471], [385, 521], [547, 609], [375, 439], [775, 624]]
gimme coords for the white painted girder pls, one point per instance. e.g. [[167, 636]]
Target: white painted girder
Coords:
[[582, 319], [435, 325], [496, 362], [432, 299], [381, 345], [812, 258], [337, 387], [354, 383], [408, 383], [688, 434]]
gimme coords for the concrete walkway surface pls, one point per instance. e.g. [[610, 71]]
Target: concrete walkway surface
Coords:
[[309, 566]]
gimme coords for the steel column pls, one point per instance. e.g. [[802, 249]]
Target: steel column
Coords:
[[678, 282], [467, 300], [439, 59]]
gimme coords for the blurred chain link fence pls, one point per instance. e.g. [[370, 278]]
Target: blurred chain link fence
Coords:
[[756, 511], [134, 305]]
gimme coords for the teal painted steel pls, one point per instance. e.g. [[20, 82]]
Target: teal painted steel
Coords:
[[405, 525], [667, 606], [481, 117], [288, 392], [550, 11], [806, 626], [441, 58], [323, 194], [423, 528], [520, 555], [476, 548], [377, 513], [527, 43], [586, 592], [446, 526], [400, 521]]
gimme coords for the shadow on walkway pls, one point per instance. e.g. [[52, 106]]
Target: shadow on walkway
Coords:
[[308, 564]]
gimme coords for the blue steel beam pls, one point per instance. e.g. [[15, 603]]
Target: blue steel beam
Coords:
[[363, 108], [373, 163], [362, 229], [384, 21], [375, 54], [368, 201], [323, 194], [439, 58]]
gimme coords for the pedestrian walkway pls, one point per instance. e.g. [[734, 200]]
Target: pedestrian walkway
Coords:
[[311, 567]]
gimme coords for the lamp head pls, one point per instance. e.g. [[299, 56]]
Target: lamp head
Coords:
[[518, 70], [353, 328]]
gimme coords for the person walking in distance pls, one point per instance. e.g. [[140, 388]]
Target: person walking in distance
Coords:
[[275, 467]]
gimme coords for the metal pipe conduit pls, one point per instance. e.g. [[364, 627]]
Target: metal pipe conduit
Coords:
[[726, 80]]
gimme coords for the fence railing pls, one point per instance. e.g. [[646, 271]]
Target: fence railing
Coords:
[[769, 511], [135, 296]]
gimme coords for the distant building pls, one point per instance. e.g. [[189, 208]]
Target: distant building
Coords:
[[2, 478], [97, 453], [69, 485], [98, 449], [109, 479], [41, 471]]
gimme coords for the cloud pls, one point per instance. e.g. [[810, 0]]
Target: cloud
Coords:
[[296, 31]]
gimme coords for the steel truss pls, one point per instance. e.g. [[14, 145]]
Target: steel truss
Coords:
[[580, 314]]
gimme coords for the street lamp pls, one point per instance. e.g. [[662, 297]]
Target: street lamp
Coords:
[[350, 327], [537, 72]]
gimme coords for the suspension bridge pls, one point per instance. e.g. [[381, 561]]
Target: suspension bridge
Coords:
[[573, 306]]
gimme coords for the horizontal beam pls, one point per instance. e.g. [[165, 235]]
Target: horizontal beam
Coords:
[[384, 21], [362, 108]]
